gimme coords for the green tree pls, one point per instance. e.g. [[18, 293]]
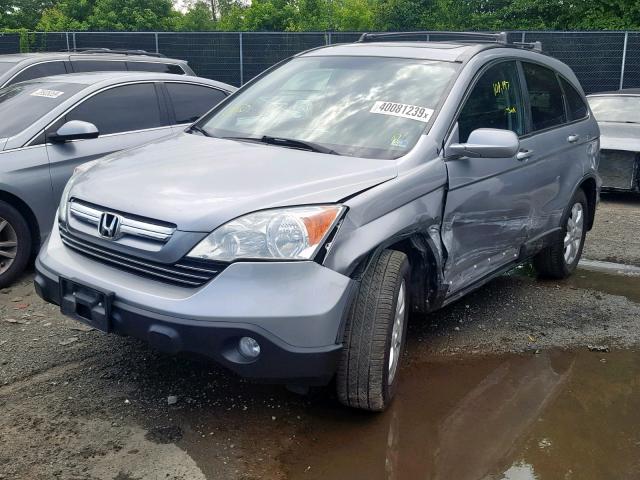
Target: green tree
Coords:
[[198, 18], [22, 13]]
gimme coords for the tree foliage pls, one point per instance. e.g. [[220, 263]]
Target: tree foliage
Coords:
[[320, 15]]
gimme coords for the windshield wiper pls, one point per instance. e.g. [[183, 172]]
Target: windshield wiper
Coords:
[[287, 142], [199, 129]]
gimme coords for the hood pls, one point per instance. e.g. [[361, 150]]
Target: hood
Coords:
[[199, 183], [620, 136]]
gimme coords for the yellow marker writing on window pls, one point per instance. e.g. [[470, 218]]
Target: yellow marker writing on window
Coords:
[[500, 87], [510, 109]]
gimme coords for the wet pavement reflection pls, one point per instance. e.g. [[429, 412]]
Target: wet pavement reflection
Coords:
[[554, 415]]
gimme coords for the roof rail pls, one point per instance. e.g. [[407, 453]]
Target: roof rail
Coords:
[[462, 37], [118, 51]]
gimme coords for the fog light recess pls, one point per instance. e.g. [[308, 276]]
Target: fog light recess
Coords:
[[249, 347]]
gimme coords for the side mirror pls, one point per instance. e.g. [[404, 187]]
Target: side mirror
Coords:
[[74, 130], [488, 143]]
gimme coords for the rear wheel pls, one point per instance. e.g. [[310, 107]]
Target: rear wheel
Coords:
[[560, 259], [15, 244], [375, 335]]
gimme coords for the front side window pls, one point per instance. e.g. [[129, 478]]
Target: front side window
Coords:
[[577, 108], [98, 66], [545, 97], [494, 102], [190, 101], [23, 104], [121, 109], [38, 71], [616, 108], [356, 106]]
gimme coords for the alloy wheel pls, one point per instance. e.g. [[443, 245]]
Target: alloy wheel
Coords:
[[573, 237], [396, 334]]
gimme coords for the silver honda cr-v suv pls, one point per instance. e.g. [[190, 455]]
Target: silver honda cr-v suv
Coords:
[[289, 232]]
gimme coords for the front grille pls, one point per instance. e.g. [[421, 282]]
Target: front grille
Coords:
[[186, 273], [618, 169]]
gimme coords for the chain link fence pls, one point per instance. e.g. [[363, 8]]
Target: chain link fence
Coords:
[[601, 60]]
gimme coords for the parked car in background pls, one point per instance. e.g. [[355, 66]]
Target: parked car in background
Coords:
[[52, 124], [618, 114], [290, 231], [20, 67]]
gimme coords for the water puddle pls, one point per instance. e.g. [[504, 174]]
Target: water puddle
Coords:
[[556, 415], [621, 285], [613, 282]]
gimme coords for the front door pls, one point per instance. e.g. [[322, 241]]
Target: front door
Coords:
[[126, 116], [487, 209]]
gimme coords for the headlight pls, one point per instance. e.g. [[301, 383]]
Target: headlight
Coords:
[[294, 233], [64, 200]]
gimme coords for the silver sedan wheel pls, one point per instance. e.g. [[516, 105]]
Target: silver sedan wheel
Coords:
[[573, 237], [8, 245], [396, 334]]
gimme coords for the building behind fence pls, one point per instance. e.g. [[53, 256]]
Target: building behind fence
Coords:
[[601, 60]]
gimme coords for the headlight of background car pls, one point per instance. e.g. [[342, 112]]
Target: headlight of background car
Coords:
[[294, 233], [64, 200]]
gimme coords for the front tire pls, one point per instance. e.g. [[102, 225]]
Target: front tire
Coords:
[[560, 259], [375, 335]]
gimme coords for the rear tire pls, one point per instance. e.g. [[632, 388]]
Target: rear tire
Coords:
[[16, 244], [560, 259], [375, 335]]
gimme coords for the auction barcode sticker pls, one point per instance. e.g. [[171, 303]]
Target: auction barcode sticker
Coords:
[[41, 92], [413, 112]]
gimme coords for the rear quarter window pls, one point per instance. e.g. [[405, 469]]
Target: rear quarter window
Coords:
[[576, 106]]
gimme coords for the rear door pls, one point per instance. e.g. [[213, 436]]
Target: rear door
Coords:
[[558, 142], [189, 101], [126, 116], [487, 209]]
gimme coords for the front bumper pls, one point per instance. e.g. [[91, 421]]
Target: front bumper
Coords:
[[295, 310]]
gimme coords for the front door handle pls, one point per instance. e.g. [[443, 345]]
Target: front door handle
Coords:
[[523, 155], [573, 138]]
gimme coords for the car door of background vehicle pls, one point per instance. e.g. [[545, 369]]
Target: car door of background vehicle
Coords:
[[189, 101], [487, 206], [558, 142], [126, 116]]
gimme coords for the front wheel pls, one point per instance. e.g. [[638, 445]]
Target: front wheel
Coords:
[[561, 258], [375, 335]]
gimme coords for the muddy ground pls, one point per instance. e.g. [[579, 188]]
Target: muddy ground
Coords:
[[503, 379]]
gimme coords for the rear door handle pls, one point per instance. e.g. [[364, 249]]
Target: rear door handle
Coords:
[[523, 155], [573, 138]]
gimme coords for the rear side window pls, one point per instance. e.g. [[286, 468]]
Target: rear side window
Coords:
[[576, 107], [121, 109], [190, 102], [39, 70], [545, 97], [494, 102], [98, 66], [155, 67]]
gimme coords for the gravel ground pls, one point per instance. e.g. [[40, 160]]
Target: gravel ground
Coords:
[[614, 237], [81, 405]]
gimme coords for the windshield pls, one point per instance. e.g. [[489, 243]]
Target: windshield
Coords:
[[624, 109], [356, 106], [6, 66], [23, 104]]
